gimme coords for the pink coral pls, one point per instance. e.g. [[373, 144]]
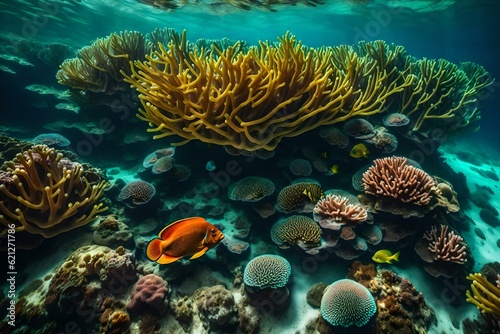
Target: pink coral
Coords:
[[447, 246], [334, 211], [394, 177], [149, 292]]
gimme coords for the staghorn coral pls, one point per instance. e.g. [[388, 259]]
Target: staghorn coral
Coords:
[[46, 194], [447, 246], [296, 230], [332, 212], [485, 295], [393, 177], [250, 101], [251, 189], [299, 197]]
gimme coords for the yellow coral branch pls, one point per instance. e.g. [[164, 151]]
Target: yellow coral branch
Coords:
[[485, 295]]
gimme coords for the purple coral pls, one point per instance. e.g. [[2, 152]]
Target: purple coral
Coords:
[[149, 292]]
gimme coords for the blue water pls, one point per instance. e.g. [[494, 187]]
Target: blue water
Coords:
[[457, 31]]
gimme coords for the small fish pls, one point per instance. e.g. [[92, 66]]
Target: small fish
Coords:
[[359, 151], [210, 166], [324, 154], [314, 193], [385, 256], [335, 169], [192, 236]]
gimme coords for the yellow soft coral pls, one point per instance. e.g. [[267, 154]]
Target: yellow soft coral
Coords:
[[250, 101], [485, 295], [44, 194]]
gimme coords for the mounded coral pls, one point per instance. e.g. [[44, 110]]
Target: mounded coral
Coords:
[[296, 230], [251, 189], [81, 284], [346, 303], [137, 193], [149, 294], [267, 271], [216, 304], [112, 232], [299, 197]]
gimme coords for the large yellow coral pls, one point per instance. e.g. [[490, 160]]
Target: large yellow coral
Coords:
[[44, 194], [250, 101], [485, 295]]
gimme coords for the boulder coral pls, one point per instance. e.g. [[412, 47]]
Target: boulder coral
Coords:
[[149, 294]]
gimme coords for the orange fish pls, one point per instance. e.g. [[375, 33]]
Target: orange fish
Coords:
[[185, 237]]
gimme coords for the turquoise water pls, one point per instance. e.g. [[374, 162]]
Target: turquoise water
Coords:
[[100, 272]]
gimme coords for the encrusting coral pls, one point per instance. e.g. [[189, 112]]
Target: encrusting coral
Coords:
[[46, 194]]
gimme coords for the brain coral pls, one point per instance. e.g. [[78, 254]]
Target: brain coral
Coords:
[[346, 303], [136, 193], [267, 271], [296, 230], [251, 189], [298, 197], [300, 167], [359, 129], [150, 291]]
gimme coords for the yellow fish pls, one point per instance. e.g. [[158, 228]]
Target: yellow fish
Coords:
[[314, 193], [359, 151], [385, 256], [186, 237], [335, 169]]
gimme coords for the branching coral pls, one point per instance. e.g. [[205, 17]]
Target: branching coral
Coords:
[[443, 91], [485, 295], [46, 194], [394, 177], [332, 212], [447, 246], [97, 67], [252, 100]]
